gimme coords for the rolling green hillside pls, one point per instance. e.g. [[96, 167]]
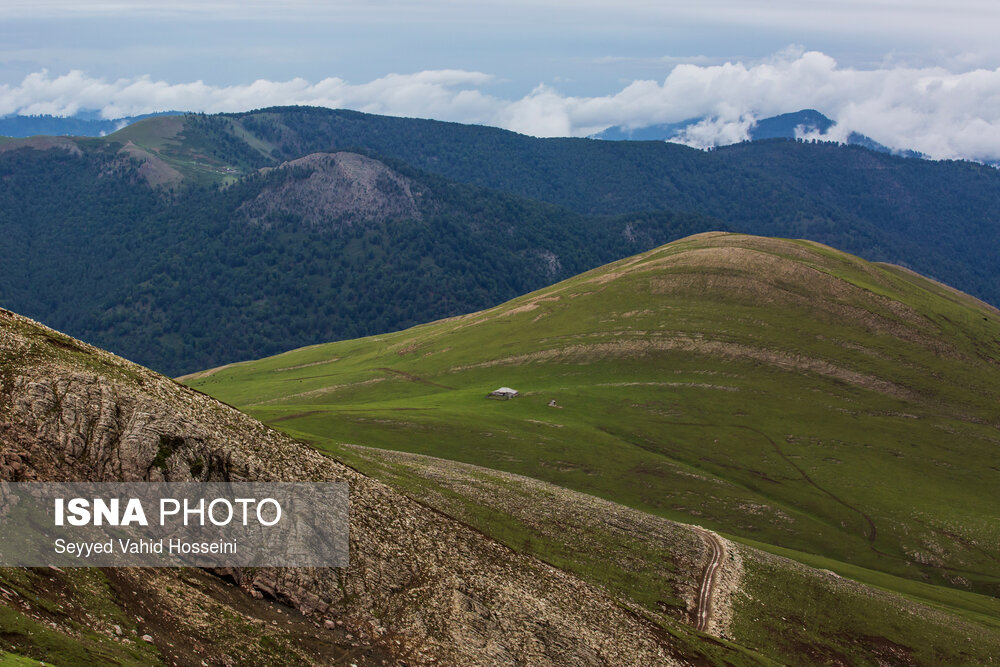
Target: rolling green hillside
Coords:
[[778, 391], [821, 612]]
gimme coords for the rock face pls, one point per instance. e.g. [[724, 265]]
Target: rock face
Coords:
[[420, 585], [328, 190]]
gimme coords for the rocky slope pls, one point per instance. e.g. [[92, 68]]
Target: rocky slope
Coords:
[[339, 188], [421, 587], [782, 609]]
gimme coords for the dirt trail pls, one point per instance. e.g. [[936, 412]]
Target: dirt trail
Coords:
[[703, 610]]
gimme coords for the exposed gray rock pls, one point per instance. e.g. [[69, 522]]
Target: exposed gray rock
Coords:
[[334, 189], [430, 587]]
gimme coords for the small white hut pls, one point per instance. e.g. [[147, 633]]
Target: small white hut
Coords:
[[503, 393]]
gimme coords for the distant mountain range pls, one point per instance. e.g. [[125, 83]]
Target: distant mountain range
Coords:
[[188, 241], [86, 124], [785, 126]]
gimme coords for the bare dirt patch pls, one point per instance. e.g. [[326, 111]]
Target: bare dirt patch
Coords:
[[330, 389], [700, 385], [341, 188], [207, 373], [412, 378], [153, 170]]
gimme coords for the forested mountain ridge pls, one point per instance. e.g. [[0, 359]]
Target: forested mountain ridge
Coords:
[[275, 260], [880, 206], [149, 241]]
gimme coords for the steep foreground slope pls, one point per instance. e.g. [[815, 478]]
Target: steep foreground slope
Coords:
[[420, 587], [781, 609], [780, 391]]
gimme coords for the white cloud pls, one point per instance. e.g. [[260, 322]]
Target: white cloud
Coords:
[[447, 94], [717, 131], [943, 112]]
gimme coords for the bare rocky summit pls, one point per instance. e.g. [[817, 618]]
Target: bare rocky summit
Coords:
[[421, 587]]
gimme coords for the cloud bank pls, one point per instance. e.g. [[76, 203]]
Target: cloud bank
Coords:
[[940, 112]]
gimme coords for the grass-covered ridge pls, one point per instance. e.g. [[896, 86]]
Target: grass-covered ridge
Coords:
[[776, 390]]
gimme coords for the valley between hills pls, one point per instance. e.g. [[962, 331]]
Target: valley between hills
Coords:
[[726, 448]]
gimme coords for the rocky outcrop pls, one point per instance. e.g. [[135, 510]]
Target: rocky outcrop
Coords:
[[424, 586], [330, 190]]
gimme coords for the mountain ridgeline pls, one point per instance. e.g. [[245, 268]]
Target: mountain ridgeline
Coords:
[[84, 124], [188, 241], [795, 125]]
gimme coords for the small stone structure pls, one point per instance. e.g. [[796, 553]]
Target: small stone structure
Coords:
[[503, 393]]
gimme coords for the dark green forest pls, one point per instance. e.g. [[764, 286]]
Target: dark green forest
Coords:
[[185, 283], [940, 218], [179, 279]]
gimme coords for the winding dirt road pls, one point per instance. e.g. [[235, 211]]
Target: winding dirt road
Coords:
[[703, 610]]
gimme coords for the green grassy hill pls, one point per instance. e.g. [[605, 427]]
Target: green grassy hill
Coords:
[[780, 392]]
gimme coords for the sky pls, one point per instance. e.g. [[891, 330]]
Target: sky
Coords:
[[910, 74]]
